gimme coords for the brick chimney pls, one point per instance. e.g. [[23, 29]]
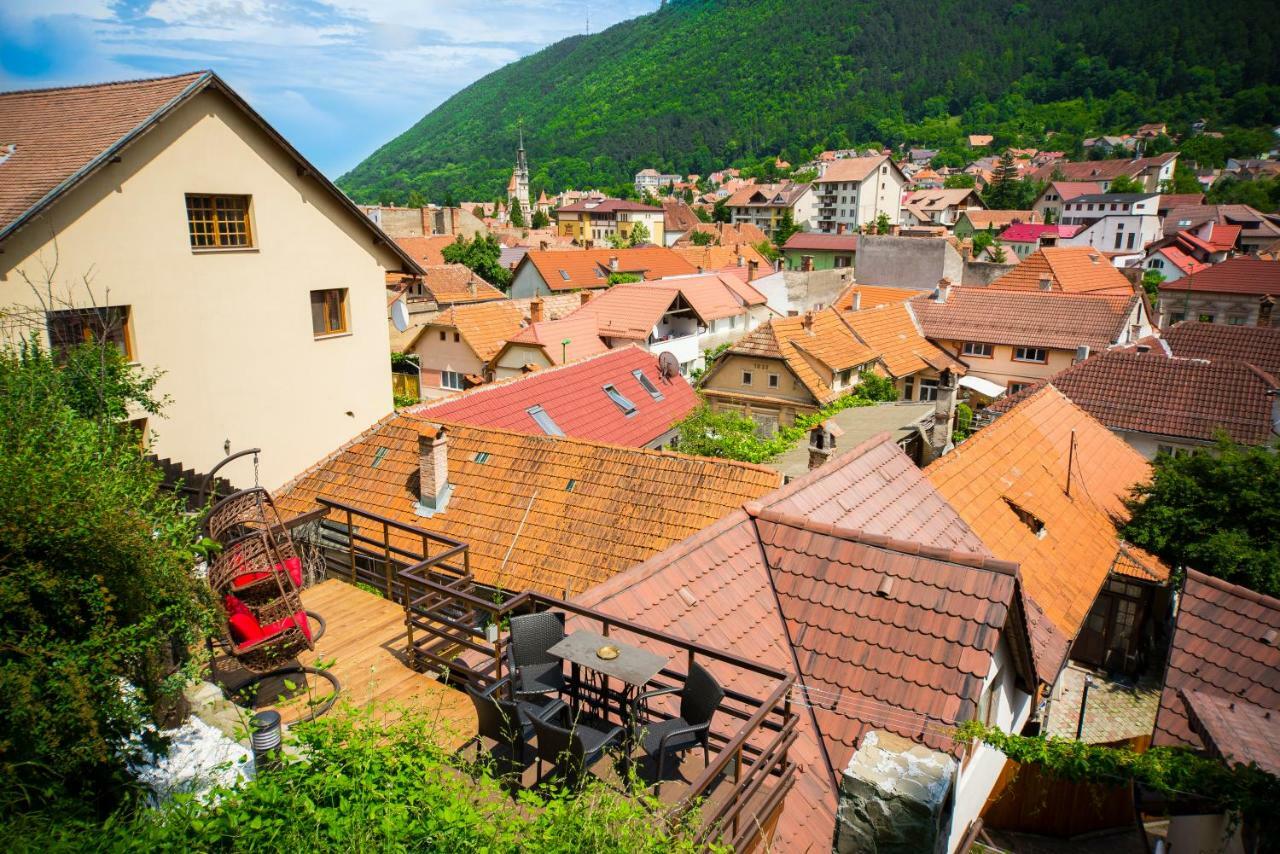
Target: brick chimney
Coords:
[[613, 263], [822, 443], [535, 311], [944, 413], [944, 289], [584, 297], [542, 244], [857, 300], [807, 322], [434, 489], [742, 259], [753, 267]]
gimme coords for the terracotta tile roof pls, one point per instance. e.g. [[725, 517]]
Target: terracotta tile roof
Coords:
[[726, 234], [852, 168], [892, 333], [573, 398], [1257, 345], [1068, 190], [819, 242], [554, 306], [1010, 478], [58, 132], [580, 330], [632, 310], [998, 219], [449, 284], [783, 194], [1239, 275], [936, 200], [1027, 232], [485, 326], [1224, 645], [590, 268], [677, 216], [1181, 260], [540, 512], [1169, 201], [607, 206], [828, 341], [1239, 732], [721, 257], [873, 295], [1253, 224], [1154, 393], [1071, 269], [995, 316], [427, 251], [1101, 170]]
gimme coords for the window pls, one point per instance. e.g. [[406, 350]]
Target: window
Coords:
[[1015, 387], [1235, 320], [456, 338], [1177, 317], [845, 376], [1129, 242], [442, 334], [329, 312], [106, 325], [451, 380], [973, 348], [746, 378], [773, 380], [1030, 354], [647, 385], [908, 388], [1119, 240], [1206, 318], [543, 420], [218, 222], [564, 274], [928, 389], [482, 457], [617, 397]]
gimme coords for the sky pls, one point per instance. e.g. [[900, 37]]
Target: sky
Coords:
[[337, 78]]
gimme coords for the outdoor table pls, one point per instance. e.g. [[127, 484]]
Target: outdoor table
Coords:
[[634, 667]]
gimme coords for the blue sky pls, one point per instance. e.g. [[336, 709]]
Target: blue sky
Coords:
[[338, 78]]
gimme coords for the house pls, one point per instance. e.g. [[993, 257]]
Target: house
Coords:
[[1257, 231], [763, 205], [1238, 292], [812, 250], [677, 219], [921, 156], [903, 354], [1119, 223], [1016, 338], [454, 346], [724, 234], [1152, 130], [441, 285], [544, 513], [980, 140], [619, 396], [1170, 201], [971, 220], [684, 316], [595, 221], [1151, 171], [1108, 146], [824, 579], [741, 257], [543, 272], [1045, 487], [169, 218], [1025, 239], [938, 207], [1221, 694], [547, 343], [1257, 345], [1048, 205], [1157, 402], [854, 192], [427, 221], [1066, 269], [651, 181], [1171, 262]]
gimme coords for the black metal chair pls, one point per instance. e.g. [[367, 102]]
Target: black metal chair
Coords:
[[700, 697], [575, 749], [496, 717], [534, 670]]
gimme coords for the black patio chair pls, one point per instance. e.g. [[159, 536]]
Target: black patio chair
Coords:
[[495, 715], [700, 696], [575, 749], [534, 670]]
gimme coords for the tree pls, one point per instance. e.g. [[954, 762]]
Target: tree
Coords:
[[883, 226], [478, 211], [1151, 280], [481, 256], [416, 200], [785, 228], [702, 238], [1217, 510], [517, 215], [959, 181], [701, 213], [624, 278], [982, 239], [1126, 184], [540, 219], [639, 234], [720, 211], [997, 253], [1002, 194], [1184, 181]]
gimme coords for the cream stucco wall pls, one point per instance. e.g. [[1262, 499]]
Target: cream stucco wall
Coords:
[[436, 355], [511, 361], [230, 328], [1003, 369]]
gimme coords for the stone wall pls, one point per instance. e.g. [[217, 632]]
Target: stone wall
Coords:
[[907, 262]]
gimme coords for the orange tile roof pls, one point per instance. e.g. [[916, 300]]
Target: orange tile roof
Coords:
[[997, 219], [719, 257], [829, 341], [525, 526], [485, 326], [1020, 462], [851, 168], [427, 251], [726, 234], [456, 283], [633, 310], [873, 295], [590, 268], [580, 330], [1071, 269], [891, 332]]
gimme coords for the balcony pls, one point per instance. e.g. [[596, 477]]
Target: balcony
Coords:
[[430, 617]]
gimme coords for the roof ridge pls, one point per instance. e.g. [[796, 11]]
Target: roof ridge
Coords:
[[1234, 589], [198, 73], [909, 547]]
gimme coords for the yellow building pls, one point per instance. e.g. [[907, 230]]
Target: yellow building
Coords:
[[598, 220]]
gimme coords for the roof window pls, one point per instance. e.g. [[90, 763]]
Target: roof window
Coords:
[[378, 456], [482, 457], [620, 399], [564, 274], [568, 487], [1027, 518], [647, 384], [545, 421]]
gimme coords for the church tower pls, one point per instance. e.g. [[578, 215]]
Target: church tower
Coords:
[[518, 186]]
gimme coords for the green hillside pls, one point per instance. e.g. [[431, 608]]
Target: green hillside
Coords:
[[702, 83]]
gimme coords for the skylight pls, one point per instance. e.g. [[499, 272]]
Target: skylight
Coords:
[[545, 421], [482, 456], [617, 397], [564, 274], [378, 456], [568, 487], [648, 386]]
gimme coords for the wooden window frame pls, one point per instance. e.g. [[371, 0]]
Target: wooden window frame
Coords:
[[93, 324], [215, 208], [344, 309]]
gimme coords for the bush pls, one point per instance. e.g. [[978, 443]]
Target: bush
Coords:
[[728, 435], [95, 578]]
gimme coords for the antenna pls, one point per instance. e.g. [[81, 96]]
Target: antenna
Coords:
[[588, 5]]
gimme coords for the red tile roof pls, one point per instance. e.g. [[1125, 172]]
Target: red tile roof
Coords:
[[1224, 645], [828, 341], [1239, 732], [427, 251], [815, 241], [580, 330], [448, 284], [892, 333], [632, 310], [677, 216], [1035, 318], [589, 268], [1101, 170], [1239, 275], [1029, 232], [726, 234], [573, 397], [784, 194], [1182, 260], [1257, 345], [870, 296]]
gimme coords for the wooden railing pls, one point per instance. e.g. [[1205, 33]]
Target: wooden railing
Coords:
[[457, 626]]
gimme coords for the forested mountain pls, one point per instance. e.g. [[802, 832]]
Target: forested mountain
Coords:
[[702, 83]]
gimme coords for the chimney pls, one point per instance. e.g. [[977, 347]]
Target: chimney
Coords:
[[944, 289], [1046, 283], [857, 300], [542, 244], [613, 263], [1082, 353], [822, 445], [535, 311], [434, 489], [752, 267], [741, 259], [944, 413], [584, 297], [808, 321]]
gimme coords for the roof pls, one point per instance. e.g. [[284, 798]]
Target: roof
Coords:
[[64, 135], [1071, 269], [829, 341], [1153, 392], [1181, 260], [1117, 198], [783, 194], [1044, 319], [980, 139], [485, 326], [1068, 190], [573, 397], [982, 219], [554, 306], [633, 310], [873, 295], [1257, 345], [1222, 239], [1101, 170], [816, 241], [677, 216], [833, 605], [1239, 275], [1239, 732], [1253, 223], [1220, 648], [1028, 232], [725, 234], [589, 268], [1169, 201], [456, 283], [541, 513], [852, 168], [1012, 475], [722, 257], [607, 206], [939, 199], [427, 251], [579, 330], [891, 331]]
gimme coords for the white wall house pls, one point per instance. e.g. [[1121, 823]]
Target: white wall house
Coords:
[[1113, 223], [854, 192]]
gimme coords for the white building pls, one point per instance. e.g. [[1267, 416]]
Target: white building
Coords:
[[1113, 222], [856, 191], [651, 181]]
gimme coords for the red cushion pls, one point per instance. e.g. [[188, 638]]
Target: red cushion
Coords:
[[245, 628], [235, 606], [293, 566], [273, 629]]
